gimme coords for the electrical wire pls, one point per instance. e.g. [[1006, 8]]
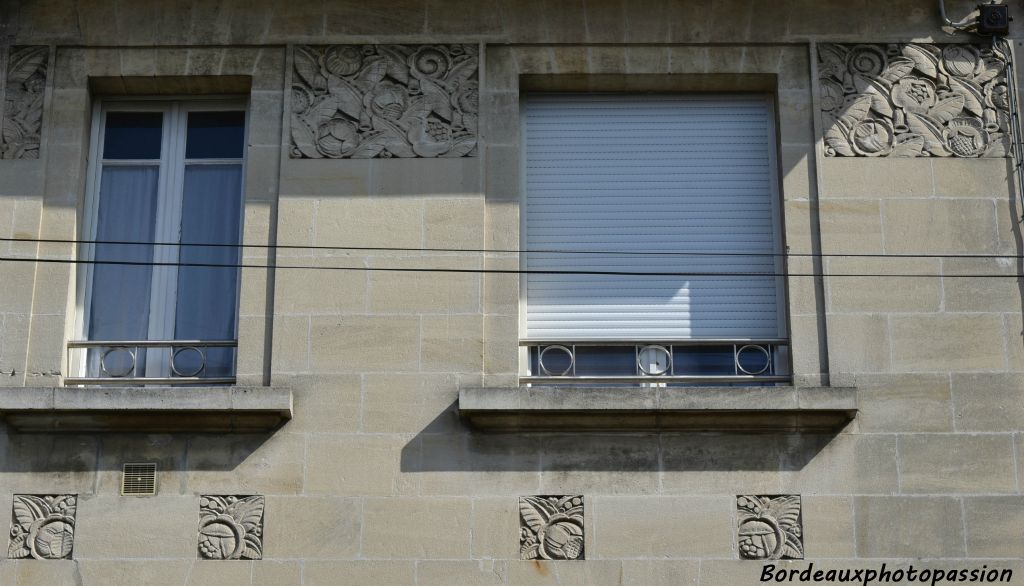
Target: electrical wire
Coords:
[[514, 251], [510, 271]]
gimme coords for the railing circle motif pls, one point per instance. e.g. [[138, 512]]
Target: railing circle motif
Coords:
[[567, 351], [174, 358], [118, 374], [651, 353], [752, 347]]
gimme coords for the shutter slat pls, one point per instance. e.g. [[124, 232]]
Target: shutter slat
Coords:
[[654, 174]]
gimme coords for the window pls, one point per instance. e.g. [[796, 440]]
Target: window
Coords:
[[684, 185], [167, 178]]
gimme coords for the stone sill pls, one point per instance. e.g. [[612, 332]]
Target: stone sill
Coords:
[[581, 408], [145, 409]]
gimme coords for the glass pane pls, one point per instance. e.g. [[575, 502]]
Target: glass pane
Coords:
[[215, 135], [119, 309], [606, 361], [132, 135], [210, 214], [711, 360]]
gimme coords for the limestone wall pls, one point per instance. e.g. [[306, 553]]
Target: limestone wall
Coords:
[[376, 479]]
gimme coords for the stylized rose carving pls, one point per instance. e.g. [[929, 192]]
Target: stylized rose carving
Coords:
[[338, 138], [966, 137], [872, 137], [231, 528], [220, 538], [302, 99], [551, 527], [960, 60], [388, 101], [343, 60], [832, 97], [51, 538], [467, 98], [914, 94], [998, 96]]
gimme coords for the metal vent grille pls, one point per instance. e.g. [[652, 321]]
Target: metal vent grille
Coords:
[[138, 479]]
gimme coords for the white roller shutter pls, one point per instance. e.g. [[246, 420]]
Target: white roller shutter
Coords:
[[650, 174]]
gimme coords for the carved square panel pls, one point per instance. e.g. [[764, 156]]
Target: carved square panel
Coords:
[[231, 527], [914, 100], [770, 527], [43, 526], [551, 527], [23, 102], [382, 101]]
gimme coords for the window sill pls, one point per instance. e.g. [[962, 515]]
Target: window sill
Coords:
[[580, 408], [145, 409]]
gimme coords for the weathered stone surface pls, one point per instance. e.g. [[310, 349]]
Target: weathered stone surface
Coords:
[[904, 403], [403, 528], [312, 528], [829, 520], [923, 342], [988, 402], [898, 526], [959, 464], [638, 526], [114, 527], [993, 526], [326, 573]]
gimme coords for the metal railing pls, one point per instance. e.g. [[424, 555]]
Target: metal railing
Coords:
[[754, 361], [154, 362]]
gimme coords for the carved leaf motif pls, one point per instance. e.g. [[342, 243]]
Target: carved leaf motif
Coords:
[[948, 108], [347, 97], [461, 147], [307, 67], [28, 508], [879, 94], [461, 72], [992, 69], [529, 552], [372, 74], [786, 511], [997, 148], [833, 59], [25, 62], [793, 548], [972, 94], [535, 512], [395, 60], [855, 111], [897, 68], [304, 139], [835, 138], [930, 132], [247, 512], [370, 147], [253, 548], [19, 548], [910, 145], [923, 60]]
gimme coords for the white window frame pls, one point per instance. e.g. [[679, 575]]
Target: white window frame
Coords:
[[173, 136], [778, 235]]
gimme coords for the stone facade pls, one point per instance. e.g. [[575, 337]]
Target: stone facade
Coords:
[[356, 141]]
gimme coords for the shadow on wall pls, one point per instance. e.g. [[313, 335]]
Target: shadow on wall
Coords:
[[464, 451]]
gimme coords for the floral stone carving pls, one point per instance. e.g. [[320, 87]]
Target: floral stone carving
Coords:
[[366, 101], [43, 527], [23, 103], [770, 527], [913, 100], [231, 527], [551, 527]]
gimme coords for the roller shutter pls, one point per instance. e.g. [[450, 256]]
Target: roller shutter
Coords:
[[627, 182]]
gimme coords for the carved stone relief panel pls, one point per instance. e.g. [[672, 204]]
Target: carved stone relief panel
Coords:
[[231, 527], [43, 526], [367, 101], [913, 100], [551, 527], [770, 527], [23, 102]]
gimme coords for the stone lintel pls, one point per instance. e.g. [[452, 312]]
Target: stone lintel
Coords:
[[581, 408], [220, 409]]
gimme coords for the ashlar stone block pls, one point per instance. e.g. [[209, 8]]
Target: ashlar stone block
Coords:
[[231, 527]]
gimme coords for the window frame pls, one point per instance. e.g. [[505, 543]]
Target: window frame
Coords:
[[779, 247], [167, 224]]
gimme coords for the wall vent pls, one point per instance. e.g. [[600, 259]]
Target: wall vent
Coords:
[[138, 479]]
